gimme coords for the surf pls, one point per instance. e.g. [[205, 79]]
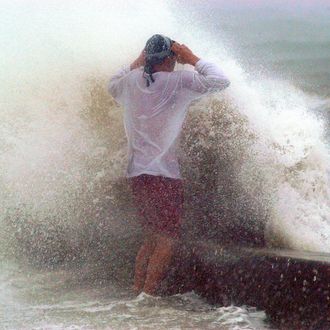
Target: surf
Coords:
[[255, 159]]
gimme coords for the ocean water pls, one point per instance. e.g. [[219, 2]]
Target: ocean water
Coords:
[[258, 153]]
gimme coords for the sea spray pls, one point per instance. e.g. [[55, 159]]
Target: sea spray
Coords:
[[252, 157]]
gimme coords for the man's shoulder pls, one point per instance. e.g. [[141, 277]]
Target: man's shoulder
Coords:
[[179, 74], [134, 74], [183, 72], [135, 71]]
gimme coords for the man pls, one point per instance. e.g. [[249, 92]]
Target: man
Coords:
[[156, 98]]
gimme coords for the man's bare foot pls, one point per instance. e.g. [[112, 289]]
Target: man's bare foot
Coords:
[[150, 292], [136, 290]]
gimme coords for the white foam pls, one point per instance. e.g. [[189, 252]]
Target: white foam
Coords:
[[57, 44]]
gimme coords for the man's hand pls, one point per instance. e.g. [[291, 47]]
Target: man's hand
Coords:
[[184, 54], [140, 61]]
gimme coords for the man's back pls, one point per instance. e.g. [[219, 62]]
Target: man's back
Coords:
[[154, 114]]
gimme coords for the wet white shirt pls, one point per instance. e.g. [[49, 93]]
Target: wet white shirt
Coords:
[[154, 115]]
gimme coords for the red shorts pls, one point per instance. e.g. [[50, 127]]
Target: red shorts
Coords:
[[159, 201]]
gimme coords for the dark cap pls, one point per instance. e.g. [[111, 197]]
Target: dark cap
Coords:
[[158, 47]]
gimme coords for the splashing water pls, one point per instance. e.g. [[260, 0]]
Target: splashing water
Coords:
[[255, 160], [257, 150]]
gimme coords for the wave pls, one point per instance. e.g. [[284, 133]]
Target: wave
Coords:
[[254, 159]]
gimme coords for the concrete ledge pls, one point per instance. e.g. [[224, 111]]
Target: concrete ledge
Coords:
[[292, 287]]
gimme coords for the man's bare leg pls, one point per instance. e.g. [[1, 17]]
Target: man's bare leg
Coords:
[[158, 263], [141, 262]]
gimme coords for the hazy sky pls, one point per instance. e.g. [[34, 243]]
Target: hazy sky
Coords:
[[269, 2], [264, 3]]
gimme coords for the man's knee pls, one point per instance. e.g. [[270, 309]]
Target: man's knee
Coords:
[[166, 242]]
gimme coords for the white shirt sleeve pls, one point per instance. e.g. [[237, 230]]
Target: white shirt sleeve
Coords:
[[116, 84], [207, 78]]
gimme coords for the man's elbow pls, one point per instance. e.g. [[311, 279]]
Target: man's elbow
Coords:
[[110, 88], [225, 83], [115, 92], [221, 84]]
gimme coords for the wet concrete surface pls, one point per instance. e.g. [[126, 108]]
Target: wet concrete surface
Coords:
[[292, 287]]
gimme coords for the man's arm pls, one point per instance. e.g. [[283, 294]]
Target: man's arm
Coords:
[[116, 83], [140, 61], [208, 78], [184, 55]]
